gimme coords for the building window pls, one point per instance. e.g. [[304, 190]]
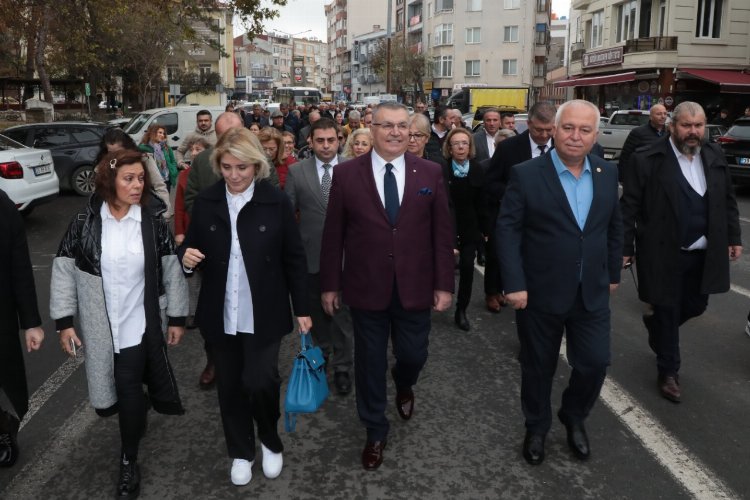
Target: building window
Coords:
[[444, 34], [473, 35], [172, 70], [443, 67], [510, 67], [512, 4], [204, 70], [540, 35], [541, 5], [662, 16], [626, 16], [472, 68], [473, 5], [597, 28], [510, 34], [442, 5], [709, 18]]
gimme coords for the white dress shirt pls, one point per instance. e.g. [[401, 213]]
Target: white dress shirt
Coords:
[[378, 170], [123, 276], [693, 172], [535, 147], [319, 164], [238, 299], [490, 143]]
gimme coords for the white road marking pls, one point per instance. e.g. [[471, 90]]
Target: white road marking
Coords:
[[745, 219], [739, 289], [51, 385], [694, 476]]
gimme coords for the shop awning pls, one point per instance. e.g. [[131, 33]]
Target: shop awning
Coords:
[[727, 80], [586, 81]]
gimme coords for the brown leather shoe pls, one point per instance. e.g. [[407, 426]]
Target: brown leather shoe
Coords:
[[493, 303], [208, 376], [405, 403], [669, 386], [372, 455]]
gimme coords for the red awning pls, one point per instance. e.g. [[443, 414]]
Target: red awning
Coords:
[[728, 80], [586, 81]]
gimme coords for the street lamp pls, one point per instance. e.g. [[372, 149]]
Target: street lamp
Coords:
[[303, 76]]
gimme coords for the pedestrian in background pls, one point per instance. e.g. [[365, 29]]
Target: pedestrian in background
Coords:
[[560, 251], [18, 309], [465, 178], [115, 265], [682, 229], [643, 136], [155, 142], [388, 213], [358, 143], [273, 145], [244, 237], [204, 128]]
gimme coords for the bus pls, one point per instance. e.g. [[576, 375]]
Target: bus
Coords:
[[300, 95]]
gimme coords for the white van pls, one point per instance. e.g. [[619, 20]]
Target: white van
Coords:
[[178, 121]]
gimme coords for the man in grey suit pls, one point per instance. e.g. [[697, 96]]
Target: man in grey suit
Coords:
[[307, 185], [484, 139]]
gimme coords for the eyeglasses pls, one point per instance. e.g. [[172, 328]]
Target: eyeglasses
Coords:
[[389, 127], [416, 137], [460, 144]]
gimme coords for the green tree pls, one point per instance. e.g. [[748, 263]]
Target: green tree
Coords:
[[408, 67]]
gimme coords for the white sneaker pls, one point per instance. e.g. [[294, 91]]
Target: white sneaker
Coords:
[[272, 463], [747, 328], [242, 471]]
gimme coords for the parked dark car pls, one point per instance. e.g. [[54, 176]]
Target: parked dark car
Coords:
[[74, 146], [736, 146]]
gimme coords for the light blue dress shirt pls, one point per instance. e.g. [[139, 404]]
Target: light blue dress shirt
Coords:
[[580, 192]]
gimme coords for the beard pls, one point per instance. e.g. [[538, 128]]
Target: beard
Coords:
[[685, 148]]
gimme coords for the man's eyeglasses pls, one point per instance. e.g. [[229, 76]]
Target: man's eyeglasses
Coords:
[[389, 127]]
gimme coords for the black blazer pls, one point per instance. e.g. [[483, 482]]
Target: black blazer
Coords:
[[272, 252], [465, 201], [541, 248]]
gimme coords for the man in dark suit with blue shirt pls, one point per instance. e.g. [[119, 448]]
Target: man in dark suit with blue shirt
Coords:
[[560, 240]]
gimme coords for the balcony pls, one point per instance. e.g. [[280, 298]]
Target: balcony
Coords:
[[654, 43], [580, 4], [577, 54]]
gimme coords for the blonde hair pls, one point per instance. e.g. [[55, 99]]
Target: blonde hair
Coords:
[[243, 145], [349, 146]]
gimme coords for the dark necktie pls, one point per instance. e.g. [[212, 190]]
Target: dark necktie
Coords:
[[390, 193], [325, 182], [541, 149]]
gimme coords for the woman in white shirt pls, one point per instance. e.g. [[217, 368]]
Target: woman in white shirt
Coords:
[[116, 264], [244, 237]]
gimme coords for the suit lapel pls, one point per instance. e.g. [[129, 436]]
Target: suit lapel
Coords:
[[310, 172], [549, 173], [597, 200], [410, 182], [667, 175], [368, 178]]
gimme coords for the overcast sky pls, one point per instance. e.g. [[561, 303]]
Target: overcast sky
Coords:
[[302, 15]]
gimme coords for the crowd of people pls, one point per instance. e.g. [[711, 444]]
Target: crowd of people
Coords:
[[319, 218]]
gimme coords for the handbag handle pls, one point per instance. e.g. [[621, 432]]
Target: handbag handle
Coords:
[[305, 340]]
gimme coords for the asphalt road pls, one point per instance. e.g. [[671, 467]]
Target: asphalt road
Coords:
[[464, 440]]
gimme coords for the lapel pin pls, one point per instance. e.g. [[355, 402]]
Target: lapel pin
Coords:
[[415, 170], [598, 169]]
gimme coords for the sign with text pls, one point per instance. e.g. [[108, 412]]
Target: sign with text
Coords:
[[602, 57]]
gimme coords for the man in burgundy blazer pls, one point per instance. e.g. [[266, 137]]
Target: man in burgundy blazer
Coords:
[[387, 252]]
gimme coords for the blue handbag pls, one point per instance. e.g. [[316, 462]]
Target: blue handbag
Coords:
[[308, 387]]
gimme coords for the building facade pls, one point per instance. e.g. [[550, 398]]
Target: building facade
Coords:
[[635, 53], [365, 80]]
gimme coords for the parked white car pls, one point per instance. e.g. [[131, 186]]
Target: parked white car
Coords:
[[27, 175]]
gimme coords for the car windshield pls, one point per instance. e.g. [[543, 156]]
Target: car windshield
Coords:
[[8, 143], [634, 119], [137, 123]]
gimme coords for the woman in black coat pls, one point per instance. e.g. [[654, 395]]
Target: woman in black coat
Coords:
[[465, 180], [18, 307], [244, 238]]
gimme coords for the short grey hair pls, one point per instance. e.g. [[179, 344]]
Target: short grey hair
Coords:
[[391, 105], [687, 108], [503, 133], [543, 111], [577, 102], [354, 115]]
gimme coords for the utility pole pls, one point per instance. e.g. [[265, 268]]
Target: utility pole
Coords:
[[388, 50]]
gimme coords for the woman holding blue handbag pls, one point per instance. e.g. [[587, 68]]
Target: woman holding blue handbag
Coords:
[[244, 236]]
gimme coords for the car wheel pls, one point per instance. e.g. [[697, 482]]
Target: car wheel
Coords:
[[82, 180]]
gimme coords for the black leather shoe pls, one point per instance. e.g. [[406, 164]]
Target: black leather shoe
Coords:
[[343, 383], [8, 439], [533, 448], [404, 399], [372, 455], [578, 441], [129, 484], [208, 376], [461, 320], [481, 260]]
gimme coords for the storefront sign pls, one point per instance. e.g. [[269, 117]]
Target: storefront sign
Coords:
[[605, 57]]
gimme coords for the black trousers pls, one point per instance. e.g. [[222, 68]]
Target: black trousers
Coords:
[[409, 331], [587, 336], [667, 319], [467, 252], [492, 282], [130, 369], [335, 341], [248, 383]]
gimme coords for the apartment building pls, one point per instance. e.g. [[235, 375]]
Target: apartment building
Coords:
[[634, 53], [481, 42], [365, 80]]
